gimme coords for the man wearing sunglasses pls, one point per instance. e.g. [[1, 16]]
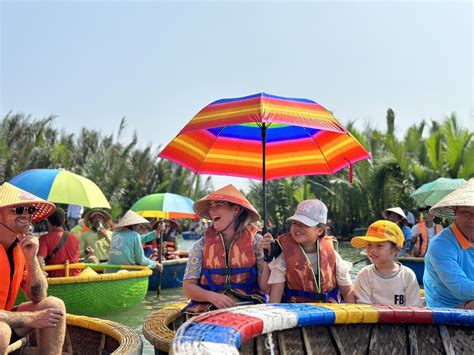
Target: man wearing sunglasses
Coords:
[[19, 268]]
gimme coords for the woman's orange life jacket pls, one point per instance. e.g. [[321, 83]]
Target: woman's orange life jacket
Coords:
[[9, 290], [167, 246], [422, 240], [232, 273], [302, 283]]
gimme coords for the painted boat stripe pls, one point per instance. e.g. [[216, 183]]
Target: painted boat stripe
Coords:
[[274, 318], [210, 333], [248, 326], [203, 347], [309, 314]]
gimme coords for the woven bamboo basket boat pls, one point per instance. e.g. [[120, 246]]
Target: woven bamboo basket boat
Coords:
[[159, 327], [327, 329], [87, 335], [98, 293]]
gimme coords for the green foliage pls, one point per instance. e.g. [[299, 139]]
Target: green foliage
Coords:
[[126, 173]]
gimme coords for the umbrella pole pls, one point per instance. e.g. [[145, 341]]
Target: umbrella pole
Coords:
[[160, 253], [264, 202]]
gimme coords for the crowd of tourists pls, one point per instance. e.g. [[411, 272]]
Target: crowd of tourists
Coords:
[[234, 262]]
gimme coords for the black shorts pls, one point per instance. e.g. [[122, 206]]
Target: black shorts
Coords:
[[14, 337]]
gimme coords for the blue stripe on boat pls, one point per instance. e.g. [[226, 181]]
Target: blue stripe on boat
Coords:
[[452, 316], [309, 314]]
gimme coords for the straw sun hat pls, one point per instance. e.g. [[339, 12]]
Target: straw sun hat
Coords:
[[227, 193], [131, 218], [462, 196], [89, 214], [12, 196]]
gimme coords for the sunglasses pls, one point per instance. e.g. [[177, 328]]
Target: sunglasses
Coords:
[[20, 209]]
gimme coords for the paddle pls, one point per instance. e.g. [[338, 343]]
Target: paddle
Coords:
[[160, 253], [359, 261]]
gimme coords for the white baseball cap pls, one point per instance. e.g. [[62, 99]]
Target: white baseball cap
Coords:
[[310, 213]]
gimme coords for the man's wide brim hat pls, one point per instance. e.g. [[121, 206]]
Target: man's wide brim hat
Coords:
[[463, 196], [89, 214], [131, 218], [227, 193], [12, 196]]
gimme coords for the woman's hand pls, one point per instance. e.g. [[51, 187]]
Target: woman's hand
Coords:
[[221, 301]]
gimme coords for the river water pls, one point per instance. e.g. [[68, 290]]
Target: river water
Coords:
[[134, 317]]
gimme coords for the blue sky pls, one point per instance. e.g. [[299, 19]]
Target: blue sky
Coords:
[[158, 63]]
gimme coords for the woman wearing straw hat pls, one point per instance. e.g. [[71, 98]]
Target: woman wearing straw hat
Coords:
[[449, 261], [126, 246], [225, 267], [20, 268]]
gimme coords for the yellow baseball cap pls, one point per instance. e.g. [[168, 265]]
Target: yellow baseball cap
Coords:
[[380, 231]]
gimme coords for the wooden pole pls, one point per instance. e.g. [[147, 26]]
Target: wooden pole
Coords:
[[160, 253]]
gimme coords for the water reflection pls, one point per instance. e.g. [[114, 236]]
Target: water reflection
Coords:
[[134, 317]]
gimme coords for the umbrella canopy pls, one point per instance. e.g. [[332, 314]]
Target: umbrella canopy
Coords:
[[165, 205], [264, 137], [61, 186], [301, 138], [432, 192]]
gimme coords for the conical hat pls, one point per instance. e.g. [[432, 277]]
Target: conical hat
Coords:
[[131, 218], [227, 193], [12, 196], [396, 210], [462, 196]]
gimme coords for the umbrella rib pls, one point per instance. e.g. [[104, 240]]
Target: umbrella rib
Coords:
[[210, 147], [322, 153]]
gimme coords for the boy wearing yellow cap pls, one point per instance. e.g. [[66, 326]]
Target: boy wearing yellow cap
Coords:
[[386, 281]]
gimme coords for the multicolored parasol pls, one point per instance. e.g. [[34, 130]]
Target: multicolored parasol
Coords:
[[165, 205], [264, 137], [61, 186]]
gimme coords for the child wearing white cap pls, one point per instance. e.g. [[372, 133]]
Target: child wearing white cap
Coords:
[[386, 281], [308, 269]]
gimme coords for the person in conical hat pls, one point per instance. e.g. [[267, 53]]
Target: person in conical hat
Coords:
[[225, 267], [19, 267], [449, 261], [126, 246], [396, 215], [95, 243]]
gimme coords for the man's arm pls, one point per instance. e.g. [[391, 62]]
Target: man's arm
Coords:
[[46, 318], [35, 285]]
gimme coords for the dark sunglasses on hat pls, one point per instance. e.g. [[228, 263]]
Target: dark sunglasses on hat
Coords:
[[20, 209]]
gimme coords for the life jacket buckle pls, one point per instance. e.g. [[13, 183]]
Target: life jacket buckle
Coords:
[[227, 286]]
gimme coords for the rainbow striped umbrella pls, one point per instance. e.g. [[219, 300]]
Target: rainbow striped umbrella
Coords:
[[264, 137]]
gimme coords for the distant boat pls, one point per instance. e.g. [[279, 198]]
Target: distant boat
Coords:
[[87, 335], [95, 294], [172, 277], [417, 264], [192, 235]]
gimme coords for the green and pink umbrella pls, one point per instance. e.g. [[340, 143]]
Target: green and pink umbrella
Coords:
[[165, 205]]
